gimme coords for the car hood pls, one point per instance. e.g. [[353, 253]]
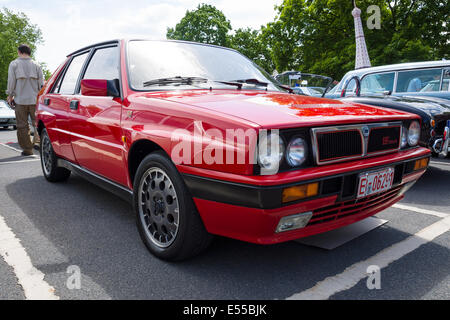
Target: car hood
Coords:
[[6, 112], [272, 109], [429, 105]]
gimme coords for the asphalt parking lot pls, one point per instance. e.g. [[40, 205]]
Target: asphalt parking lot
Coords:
[[60, 229]]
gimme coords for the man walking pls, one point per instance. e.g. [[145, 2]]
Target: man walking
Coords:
[[25, 79]]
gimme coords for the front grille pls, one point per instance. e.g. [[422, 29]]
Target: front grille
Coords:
[[352, 207], [339, 144], [382, 139], [334, 144]]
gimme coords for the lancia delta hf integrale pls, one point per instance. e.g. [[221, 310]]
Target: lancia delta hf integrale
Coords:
[[204, 142]]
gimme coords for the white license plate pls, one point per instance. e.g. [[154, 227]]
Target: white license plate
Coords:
[[375, 182]]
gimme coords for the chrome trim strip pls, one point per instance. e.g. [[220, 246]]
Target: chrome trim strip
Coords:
[[364, 139]]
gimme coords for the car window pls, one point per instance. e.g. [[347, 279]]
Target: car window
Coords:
[[419, 80], [152, 60], [446, 80], [70, 79], [378, 83], [104, 64]]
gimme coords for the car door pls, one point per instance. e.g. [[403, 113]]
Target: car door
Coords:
[[57, 103], [95, 120]]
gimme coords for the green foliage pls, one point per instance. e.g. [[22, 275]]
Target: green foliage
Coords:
[[206, 24], [15, 29], [251, 44], [317, 36], [47, 73]]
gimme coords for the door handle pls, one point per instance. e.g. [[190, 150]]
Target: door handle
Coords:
[[74, 104], [46, 101]]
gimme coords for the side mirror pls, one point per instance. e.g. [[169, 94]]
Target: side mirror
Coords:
[[100, 88]]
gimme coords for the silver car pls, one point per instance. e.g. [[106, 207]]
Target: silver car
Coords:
[[7, 115]]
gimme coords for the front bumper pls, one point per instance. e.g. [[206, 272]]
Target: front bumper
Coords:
[[252, 211], [7, 121]]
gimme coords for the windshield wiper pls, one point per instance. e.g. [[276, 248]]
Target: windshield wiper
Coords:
[[256, 82], [174, 80], [188, 80]]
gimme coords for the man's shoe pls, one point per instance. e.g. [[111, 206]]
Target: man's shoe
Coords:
[[36, 147], [27, 153]]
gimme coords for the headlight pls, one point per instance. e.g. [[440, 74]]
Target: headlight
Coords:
[[296, 152], [413, 133], [404, 140], [269, 156]]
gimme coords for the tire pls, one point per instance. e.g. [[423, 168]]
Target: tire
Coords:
[[14, 127], [159, 193], [49, 162]]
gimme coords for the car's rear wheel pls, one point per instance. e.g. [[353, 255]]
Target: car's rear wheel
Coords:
[[167, 219], [49, 161]]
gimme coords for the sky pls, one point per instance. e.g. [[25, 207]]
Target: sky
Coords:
[[68, 25]]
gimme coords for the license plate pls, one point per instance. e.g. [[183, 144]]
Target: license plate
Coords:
[[375, 182]]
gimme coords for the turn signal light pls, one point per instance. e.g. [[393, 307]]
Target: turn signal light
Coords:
[[420, 164], [300, 192]]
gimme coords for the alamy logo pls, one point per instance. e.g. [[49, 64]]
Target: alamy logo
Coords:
[[74, 280], [374, 20], [374, 278]]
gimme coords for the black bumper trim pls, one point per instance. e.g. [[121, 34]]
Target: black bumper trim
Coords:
[[269, 197]]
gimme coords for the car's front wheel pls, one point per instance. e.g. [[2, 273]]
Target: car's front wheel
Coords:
[[49, 161], [167, 219]]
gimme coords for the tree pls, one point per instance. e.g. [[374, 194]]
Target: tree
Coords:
[[206, 24], [251, 44], [15, 29], [318, 35]]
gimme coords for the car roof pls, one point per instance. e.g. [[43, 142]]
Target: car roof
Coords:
[[104, 43], [401, 66]]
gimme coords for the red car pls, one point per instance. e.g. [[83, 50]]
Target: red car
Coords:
[[204, 142]]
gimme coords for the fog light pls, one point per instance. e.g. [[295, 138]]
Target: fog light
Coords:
[[420, 164], [293, 222], [300, 192]]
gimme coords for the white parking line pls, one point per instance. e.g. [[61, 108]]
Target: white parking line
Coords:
[[355, 273], [20, 161], [440, 163], [30, 278], [9, 147], [419, 210]]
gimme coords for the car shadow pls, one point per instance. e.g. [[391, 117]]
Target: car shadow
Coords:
[[96, 231], [435, 183]]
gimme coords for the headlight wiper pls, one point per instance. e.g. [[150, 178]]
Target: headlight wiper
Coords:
[[174, 80], [256, 82]]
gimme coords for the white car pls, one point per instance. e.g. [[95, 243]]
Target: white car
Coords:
[[7, 115]]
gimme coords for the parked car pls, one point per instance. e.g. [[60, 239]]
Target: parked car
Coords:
[[426, 79], [203, 142], [7, 115], [305, 83], [435, 113]]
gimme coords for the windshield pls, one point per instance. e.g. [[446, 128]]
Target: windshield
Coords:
[[153, 60]]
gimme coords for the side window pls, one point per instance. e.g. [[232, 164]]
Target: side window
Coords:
[[378, 83], [69, 82], [446, 80], [419, 80], [104, 64]]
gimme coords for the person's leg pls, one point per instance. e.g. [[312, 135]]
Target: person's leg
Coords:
[[23, 130], [32, 111]]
